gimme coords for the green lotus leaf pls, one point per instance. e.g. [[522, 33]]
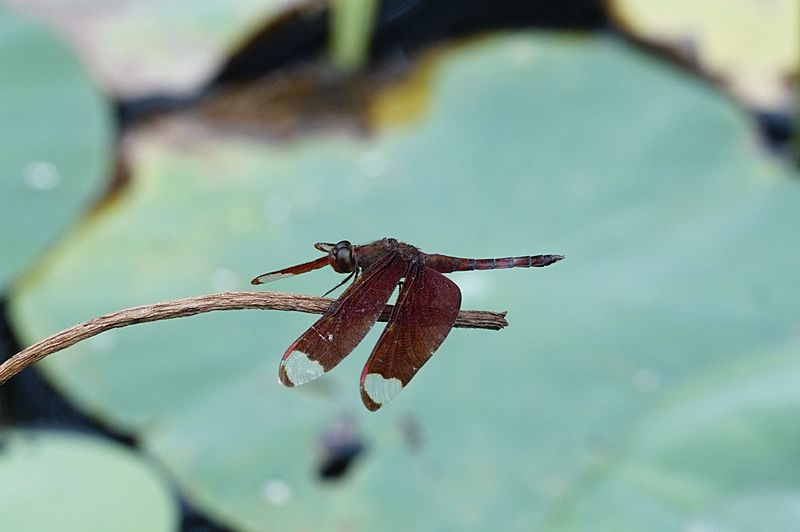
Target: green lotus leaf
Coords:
[[55, 137], [647, 382], [58, 481]]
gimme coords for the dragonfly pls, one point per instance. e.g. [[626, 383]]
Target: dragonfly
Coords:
[[426, 308]]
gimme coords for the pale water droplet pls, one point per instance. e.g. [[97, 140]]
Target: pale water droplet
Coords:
[[646, 380], [42, 175], [556, 486], [523, 53], [277, 210], [276, 492], [372, 163], [701, 526], [224, 280], [103, 343], [472, 285]]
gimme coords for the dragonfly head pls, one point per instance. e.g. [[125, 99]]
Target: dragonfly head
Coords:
[[340, 255]]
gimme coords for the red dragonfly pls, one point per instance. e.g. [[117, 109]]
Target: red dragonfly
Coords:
[[423, 315]]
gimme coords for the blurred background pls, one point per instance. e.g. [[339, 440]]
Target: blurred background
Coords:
[[651, 381]]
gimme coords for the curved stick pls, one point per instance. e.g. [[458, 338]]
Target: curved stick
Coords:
[[179, 308]]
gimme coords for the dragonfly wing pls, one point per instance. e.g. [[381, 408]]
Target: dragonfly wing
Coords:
[[344, 325], [291, 270], [422, 318]]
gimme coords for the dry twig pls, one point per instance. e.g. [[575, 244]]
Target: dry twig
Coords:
[[179, 308]]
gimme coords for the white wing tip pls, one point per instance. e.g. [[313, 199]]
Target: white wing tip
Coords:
[[380, 390], [269, 277], [298, 368]]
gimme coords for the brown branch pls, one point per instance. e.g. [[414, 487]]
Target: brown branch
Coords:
[[179, 308]]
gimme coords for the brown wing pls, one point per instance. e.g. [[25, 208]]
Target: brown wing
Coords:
[[291, 270], [422, 318], [344, 325]]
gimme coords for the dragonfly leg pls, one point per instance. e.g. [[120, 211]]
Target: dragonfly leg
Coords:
[[352, 274]]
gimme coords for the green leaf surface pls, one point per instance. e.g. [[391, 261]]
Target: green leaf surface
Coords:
[[57, 481], [55, 137], [647, 382]]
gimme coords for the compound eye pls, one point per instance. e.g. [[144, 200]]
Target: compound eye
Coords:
[[343, 259]]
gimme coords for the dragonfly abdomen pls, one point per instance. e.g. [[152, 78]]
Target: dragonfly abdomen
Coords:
[[447, 264]]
